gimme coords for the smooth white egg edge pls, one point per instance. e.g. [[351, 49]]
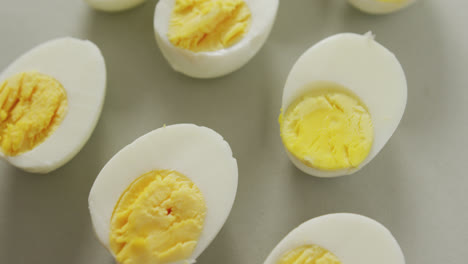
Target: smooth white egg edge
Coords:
[[329, 61], [114, 5], [354, 239], [198, 152], [377, 7], [79, 66], [216, 63]]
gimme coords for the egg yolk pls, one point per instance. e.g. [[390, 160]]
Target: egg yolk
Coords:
[[158, 219], [208, 25], [327, 129], [32, 106], [310, 254]]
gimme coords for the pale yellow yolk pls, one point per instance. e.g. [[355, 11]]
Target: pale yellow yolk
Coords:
[[208, 25], [310, 254], [328, 130], [32, 106], [158, 219]]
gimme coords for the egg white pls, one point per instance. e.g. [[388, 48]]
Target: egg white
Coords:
[[199, 153], [114, 5], [354, 239], [221, 62], [79, 66], [367, 69], [378, 7]]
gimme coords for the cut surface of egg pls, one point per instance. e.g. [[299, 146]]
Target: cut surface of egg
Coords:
[[50, 101], [380, 6], [211, 38], [164, 197], [341, 238], [342, 101], [114, 5]]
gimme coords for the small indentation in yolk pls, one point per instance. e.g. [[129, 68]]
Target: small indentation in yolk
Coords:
[[32, 106], [208, 25], [328, 129]]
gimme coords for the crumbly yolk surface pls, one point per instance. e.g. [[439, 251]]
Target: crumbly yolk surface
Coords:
[[310, 254], [158, 219], [32, 106], [327, 130], [208, 25]]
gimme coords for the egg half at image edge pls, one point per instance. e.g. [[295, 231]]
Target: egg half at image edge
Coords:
[[338, 239], [211, 38], [114, 5], [380, 6], [342, 101], [164, 197], [50, 101]]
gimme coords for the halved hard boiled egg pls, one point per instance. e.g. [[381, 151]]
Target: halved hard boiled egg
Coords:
[[114, 5], [164, 197], [211, 38], [50, 101], [342, 101], [338, 239], [380, 6]]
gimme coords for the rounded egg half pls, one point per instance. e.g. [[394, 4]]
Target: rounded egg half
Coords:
[[114, 5], [211, 64], [197, 152], [380, 6], [352, 238], [80, 68], [364, 68]]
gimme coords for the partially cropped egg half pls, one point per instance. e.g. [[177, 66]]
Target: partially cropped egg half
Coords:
[[342, 101], [380, 6], [211, 38], [338, 239], [164, 197], [50, 101], [114, 5]]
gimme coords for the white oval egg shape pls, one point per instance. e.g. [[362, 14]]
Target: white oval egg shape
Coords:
[[367, 69], [114, 5], [79, 66], [199, 153], [221, 62], [380, 6], [352, 238]]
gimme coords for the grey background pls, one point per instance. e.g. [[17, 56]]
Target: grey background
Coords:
[[416, 186]]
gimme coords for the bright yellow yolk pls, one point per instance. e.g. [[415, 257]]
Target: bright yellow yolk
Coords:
[[328, 130], [158, 219], [208, 25], [310, 254], [32, 106]]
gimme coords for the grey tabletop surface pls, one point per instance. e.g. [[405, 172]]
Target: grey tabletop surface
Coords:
[[416, 186]]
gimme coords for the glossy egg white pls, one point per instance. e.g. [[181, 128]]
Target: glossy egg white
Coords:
[[380, 7], [352, 238], [114, 5], [199, 153], [367, 69], [221, 62], [79, 66]]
